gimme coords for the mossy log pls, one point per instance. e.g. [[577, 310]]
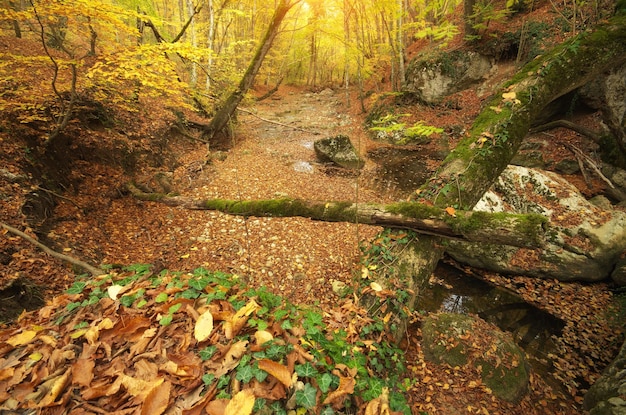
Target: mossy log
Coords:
[[528, 230]]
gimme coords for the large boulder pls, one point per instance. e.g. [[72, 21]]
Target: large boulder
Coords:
[[460, 340], [339, 150], [585, 241], [608, 395], [434, 76]]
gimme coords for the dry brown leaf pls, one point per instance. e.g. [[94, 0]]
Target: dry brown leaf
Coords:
[[138, 387], [204, 326], [241, 404], [58, 386], [279, 371], [157, 400], [236, 322], [231, 358], [82, 371], [380, 405], [346, 387], [216, 407]]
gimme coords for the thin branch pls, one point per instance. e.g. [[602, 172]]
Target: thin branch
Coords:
[[60, 196], [91, 269], [594, 136]]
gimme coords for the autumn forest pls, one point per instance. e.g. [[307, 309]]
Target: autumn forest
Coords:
[[312, 207]]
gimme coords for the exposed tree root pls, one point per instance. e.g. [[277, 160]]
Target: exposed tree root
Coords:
[[91, 269]]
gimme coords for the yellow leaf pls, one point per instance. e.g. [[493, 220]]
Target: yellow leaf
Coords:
[[92, 335], [76, 334], [204, 326], [279, 371], [185, 256], [105, 324], [36, 356], [376, 286], [237, 321], [241, 404], [113, 291], [509, 96], [365, 273], [22, 338], [262, 336]]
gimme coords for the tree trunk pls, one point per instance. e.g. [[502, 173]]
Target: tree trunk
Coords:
[[226, 111], [528, 230], [498, 131]]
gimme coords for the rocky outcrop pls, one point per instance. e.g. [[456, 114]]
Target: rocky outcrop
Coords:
[[585, 243], [339, 150], [607, 94], [434, 76], [608, 395], [452, 338]]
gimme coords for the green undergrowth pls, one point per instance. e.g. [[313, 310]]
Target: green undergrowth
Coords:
[[347, 361]]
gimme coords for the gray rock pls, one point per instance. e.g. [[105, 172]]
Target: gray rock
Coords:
[[605, 397], [435, 76], [339, 150], [584, 243]]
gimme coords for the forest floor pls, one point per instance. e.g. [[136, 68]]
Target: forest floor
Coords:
[[297, 258]]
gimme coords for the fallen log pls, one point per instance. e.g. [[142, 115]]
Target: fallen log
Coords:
[[520, 230]]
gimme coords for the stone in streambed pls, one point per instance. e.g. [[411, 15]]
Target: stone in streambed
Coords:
[[339, 150], [452, 338]]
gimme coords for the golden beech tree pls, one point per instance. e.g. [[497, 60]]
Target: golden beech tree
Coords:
[[74, 52]]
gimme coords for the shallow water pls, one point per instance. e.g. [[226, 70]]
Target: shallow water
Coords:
[[533, 329]]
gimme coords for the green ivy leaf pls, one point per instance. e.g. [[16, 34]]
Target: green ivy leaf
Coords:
[[244, 373], [161, 298], [207, 352], [324, 382], [77, 287], [306, 370], [306, 397]]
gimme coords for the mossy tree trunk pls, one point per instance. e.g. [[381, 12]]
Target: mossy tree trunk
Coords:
[[498, 131]]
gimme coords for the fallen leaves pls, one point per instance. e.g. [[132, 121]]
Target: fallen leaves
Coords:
[[204, 326]]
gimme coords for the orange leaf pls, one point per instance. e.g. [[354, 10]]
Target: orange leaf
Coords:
[[277, 370], [157, 400], [82, 372], [451, 211], [346, 387]]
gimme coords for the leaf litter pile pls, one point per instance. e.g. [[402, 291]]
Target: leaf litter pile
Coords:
[[135, 342]]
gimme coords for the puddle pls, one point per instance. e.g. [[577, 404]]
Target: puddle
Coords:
[[405, 168], [303, 167], [532, 328]]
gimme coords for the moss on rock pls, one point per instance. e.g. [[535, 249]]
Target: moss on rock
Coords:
[[459, 340]]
